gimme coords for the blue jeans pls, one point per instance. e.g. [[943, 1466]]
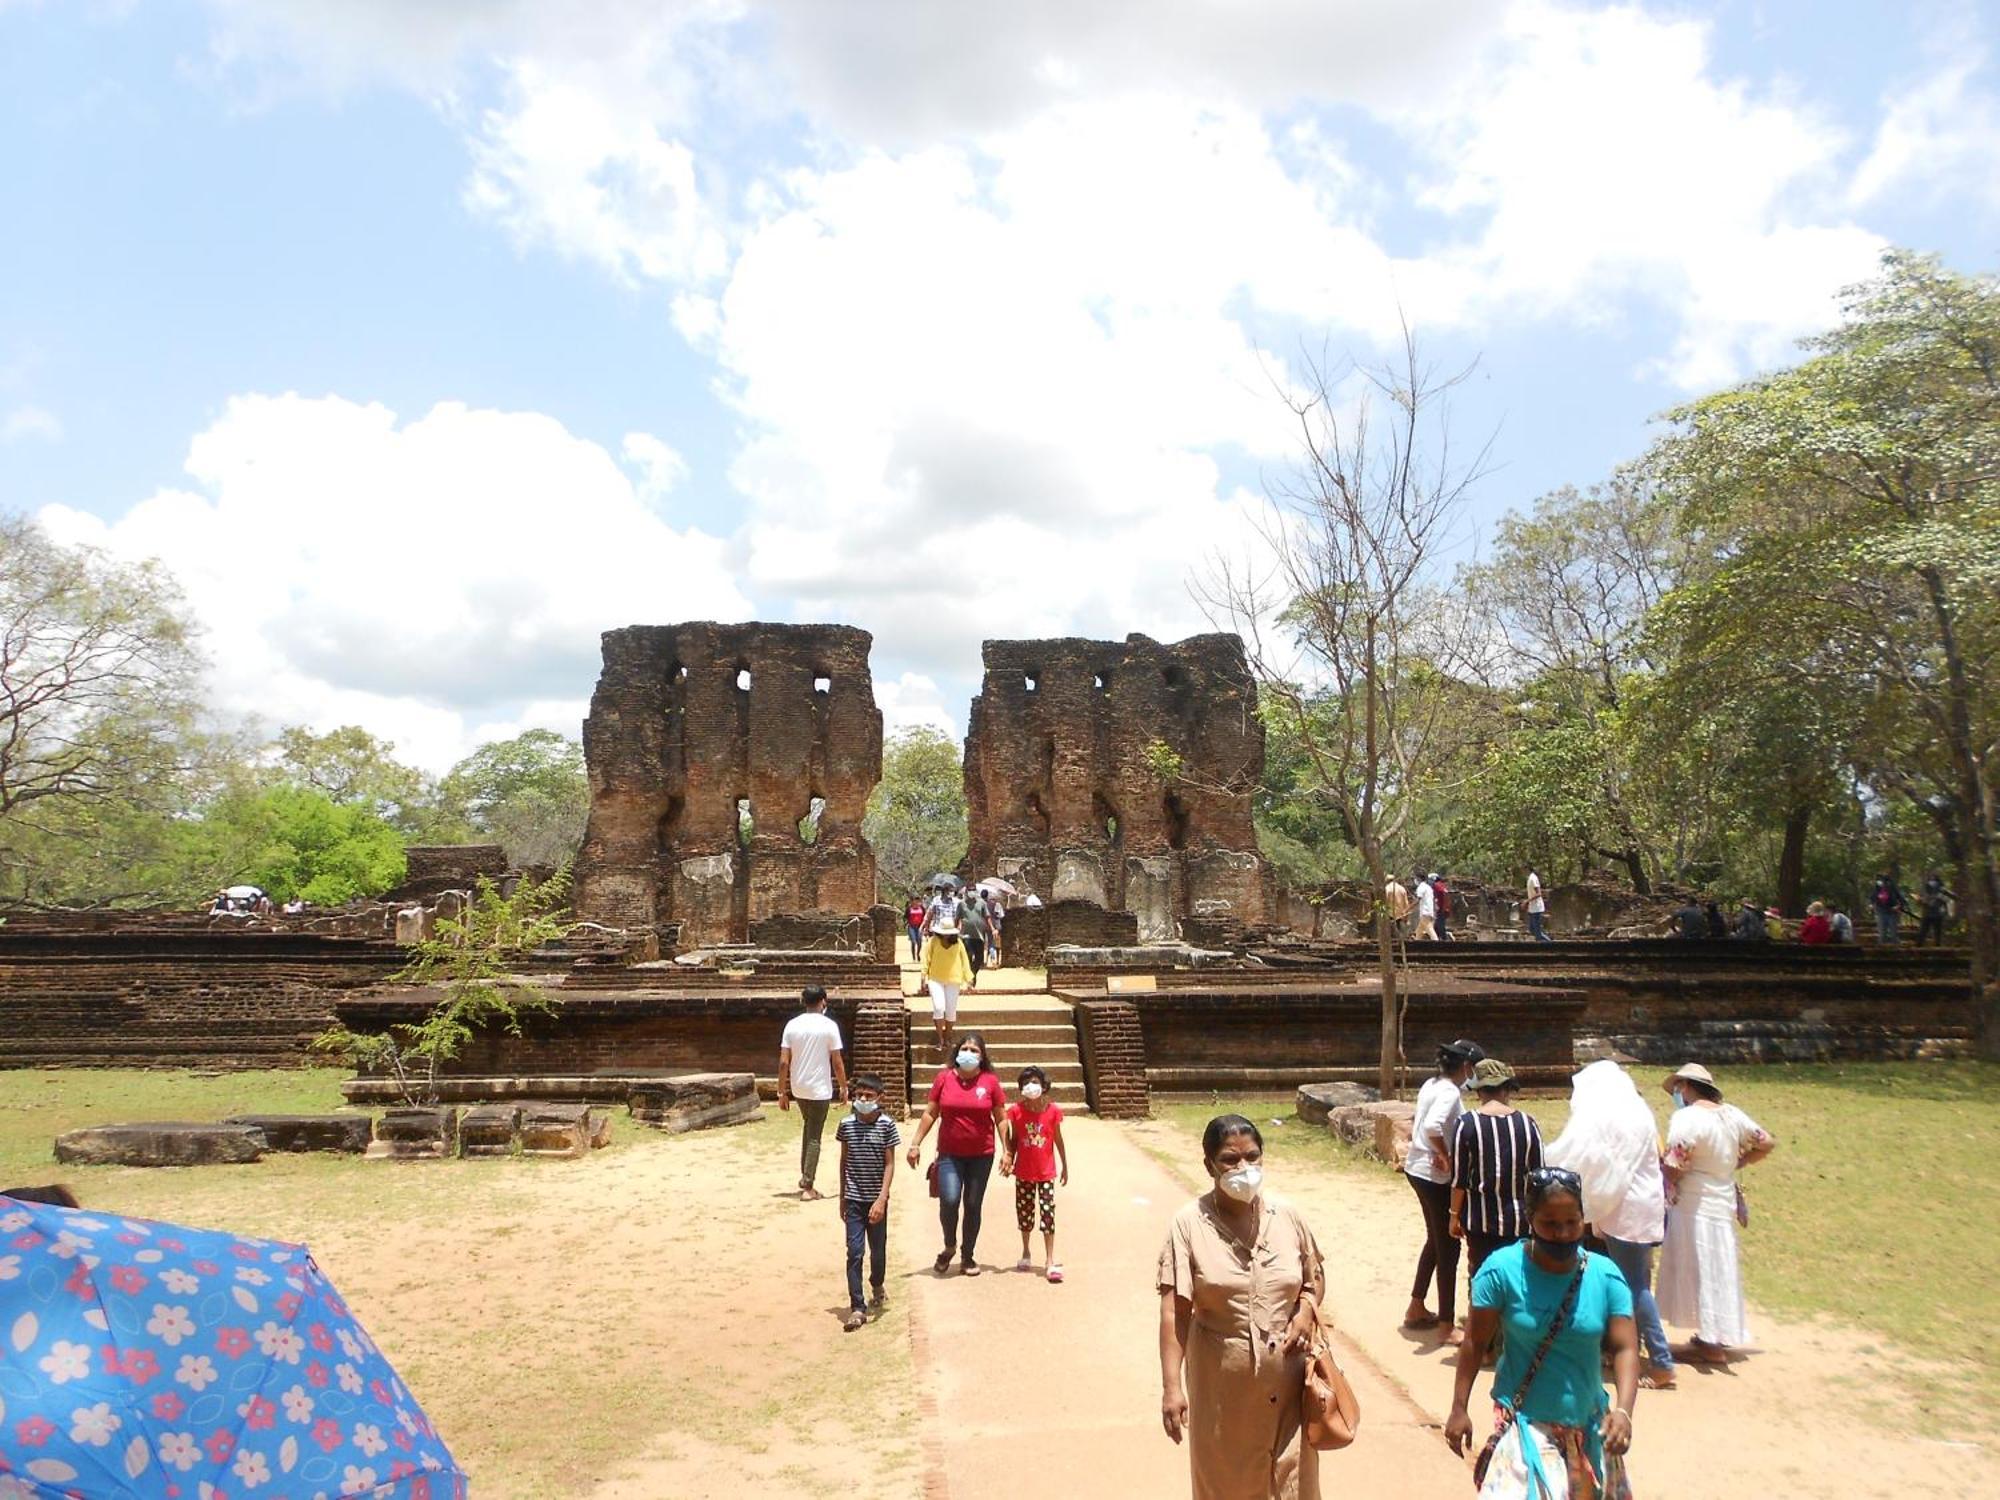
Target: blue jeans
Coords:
[[1535, 920], [855, 1216], [1888, 926], [1636, 1262], [962, 1178]]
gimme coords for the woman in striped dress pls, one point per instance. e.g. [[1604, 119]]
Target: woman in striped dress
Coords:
[[1494, 1148]]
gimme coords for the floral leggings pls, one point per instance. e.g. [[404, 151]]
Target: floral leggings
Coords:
[[1029, 1194]]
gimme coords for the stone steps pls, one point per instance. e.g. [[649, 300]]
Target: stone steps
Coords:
[[1020, 1029]]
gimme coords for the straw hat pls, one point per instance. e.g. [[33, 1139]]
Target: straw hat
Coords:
[[945, 927], [1693, 1073]]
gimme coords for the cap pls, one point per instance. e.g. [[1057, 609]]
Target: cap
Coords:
[[1469, 1050], [1490, 1073]]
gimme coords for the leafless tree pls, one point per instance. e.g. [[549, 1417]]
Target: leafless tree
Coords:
[[1350, 629]]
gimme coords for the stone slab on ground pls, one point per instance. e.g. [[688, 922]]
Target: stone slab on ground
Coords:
[[415, 1134], [560, 1130], [1318, 1100], [696, 1101], [1356, 1123], [347, 1134], [489, 1130], [169, 1143]]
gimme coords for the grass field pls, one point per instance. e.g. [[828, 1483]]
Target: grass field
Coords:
[[1873, 1211]]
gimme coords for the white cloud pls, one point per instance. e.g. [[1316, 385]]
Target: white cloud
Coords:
[[660, 469], [911, 701], [30, 422], [412, 577], [1608, 168], [1939, 137]]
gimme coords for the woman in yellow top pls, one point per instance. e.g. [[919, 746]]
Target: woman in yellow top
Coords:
[[945, 969]]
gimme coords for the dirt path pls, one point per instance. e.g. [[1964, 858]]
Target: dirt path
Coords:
[[1070, 1374], [1812, 1410]]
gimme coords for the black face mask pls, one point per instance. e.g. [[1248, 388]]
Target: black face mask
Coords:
[[1561, 1251]]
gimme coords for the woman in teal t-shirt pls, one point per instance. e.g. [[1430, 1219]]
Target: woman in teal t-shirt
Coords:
[[1566, 1442]]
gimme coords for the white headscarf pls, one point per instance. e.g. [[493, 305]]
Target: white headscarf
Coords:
[[1612, 1142]]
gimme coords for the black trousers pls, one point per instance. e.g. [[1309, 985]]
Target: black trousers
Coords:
[[975, 953], [1479, 1246], [1931, 926], [1440, 1255]]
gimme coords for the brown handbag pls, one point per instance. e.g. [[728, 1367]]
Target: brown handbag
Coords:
[[1332, 1414]]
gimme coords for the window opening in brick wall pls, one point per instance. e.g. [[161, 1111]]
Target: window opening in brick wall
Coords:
[[742, 679], [746, 825], [1029, 682], [809, 824], [823, 683]]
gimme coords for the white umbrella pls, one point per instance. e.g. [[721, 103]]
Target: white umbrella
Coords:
[[243, 892], [995, 883]]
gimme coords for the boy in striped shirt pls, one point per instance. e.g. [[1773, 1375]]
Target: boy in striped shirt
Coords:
[[868, 1141]]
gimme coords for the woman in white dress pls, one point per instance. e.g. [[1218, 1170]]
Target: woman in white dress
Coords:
[[1708, 1142]]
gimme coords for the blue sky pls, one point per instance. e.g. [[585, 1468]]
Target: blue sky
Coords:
[[425, 342]]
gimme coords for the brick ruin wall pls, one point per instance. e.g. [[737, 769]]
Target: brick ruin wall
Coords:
[[1063, 799], [175, 998], [694, 725]]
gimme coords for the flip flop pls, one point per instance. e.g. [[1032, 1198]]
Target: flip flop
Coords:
[[1428, 1320], [1055, 1273]]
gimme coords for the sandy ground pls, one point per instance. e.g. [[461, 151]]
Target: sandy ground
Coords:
[[1809, 1411]]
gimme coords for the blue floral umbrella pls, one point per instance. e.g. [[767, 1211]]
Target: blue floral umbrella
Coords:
[[143, 1361]]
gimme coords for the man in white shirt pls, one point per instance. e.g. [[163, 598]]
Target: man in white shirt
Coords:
[[1427, 910], [811, 1069], [1537, 909]]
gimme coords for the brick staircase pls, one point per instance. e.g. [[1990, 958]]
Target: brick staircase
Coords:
[[1019, 1029]]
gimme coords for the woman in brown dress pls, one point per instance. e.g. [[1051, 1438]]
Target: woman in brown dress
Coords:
[[1240, 1283]]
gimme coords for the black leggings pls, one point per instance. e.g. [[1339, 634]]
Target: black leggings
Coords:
[[1440, 1249]]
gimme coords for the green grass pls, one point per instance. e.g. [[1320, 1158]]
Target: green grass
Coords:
[[1874, 1211]]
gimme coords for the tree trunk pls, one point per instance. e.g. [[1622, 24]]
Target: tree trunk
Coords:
[[1635, 865], [1385, 952], [1792, 861]]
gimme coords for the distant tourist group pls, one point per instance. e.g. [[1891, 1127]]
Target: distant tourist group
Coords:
[[1423, 910], [1700, 919]]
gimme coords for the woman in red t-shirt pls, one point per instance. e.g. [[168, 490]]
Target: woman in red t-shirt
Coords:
[[969, 1108], [1034, 1137]]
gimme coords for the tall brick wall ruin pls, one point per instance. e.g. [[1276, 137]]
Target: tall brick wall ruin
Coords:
[[1061, 797], [689, 721]]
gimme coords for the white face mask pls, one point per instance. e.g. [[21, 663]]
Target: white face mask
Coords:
[[968, 1060], [866, 1106], [1031, 1091], [1242, 1183]]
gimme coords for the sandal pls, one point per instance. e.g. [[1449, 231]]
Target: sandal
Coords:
[[1656, 1380], [1024, 1264], [1055, 1273], [1428, 1320]]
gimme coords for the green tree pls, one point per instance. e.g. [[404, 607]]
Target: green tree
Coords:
[[1848, 515], [98, 672], [472, 958], [351, 767], [531, 794], [1571, 587], [299, 843], [916, 814]]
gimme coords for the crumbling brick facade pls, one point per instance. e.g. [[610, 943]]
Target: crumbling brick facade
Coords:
[[1061, 796], [696, 731]]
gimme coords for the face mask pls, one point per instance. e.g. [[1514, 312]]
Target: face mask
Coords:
[[1031, 1091], [866, 1107], [1562, 1251], [1680, 1099], [968, 1060], [1241, 1183]]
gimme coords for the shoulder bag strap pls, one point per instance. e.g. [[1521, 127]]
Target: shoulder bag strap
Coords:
[[1548, 1339]]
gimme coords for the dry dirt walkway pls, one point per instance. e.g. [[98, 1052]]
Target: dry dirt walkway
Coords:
[[1057, 1387]]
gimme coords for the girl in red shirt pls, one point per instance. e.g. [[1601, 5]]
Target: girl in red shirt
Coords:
[[1035, 1144]]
